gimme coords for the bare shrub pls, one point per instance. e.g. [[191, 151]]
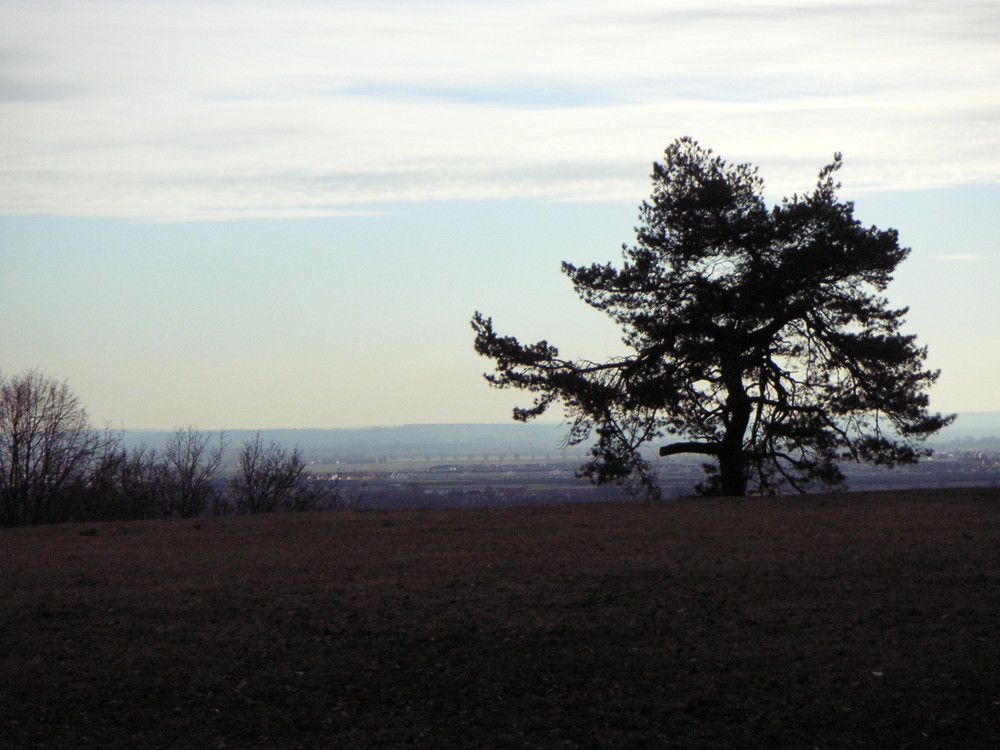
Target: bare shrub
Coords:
[[270, 478], [124, 484], [186, 485]]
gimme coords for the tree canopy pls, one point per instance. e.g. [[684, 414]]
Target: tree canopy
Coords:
[[761, 339]]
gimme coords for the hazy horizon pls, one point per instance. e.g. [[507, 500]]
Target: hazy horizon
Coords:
[[967, 424], [286, 213]]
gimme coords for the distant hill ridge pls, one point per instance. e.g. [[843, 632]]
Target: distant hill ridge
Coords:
[[533, 438], [415, 440], [972, 424]]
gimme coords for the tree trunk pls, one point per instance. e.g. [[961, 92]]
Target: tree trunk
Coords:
[[732, 471], [732, 463]]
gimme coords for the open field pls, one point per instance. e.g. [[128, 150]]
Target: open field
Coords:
[[830, 621]]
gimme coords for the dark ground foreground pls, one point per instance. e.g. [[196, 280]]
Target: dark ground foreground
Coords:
[[826, 622]]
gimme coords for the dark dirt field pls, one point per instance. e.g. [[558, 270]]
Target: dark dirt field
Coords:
[[820, 622]]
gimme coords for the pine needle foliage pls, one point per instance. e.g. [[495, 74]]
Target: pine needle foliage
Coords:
[[760, 337]]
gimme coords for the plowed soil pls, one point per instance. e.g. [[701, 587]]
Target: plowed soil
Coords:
[[826, 621]]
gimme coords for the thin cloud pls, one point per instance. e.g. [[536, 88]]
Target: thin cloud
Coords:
[[171, 108], [958, 257]]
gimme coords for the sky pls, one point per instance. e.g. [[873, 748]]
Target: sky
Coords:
[[270, 214]]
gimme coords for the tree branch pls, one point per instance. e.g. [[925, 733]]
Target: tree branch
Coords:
[[705, 449]]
